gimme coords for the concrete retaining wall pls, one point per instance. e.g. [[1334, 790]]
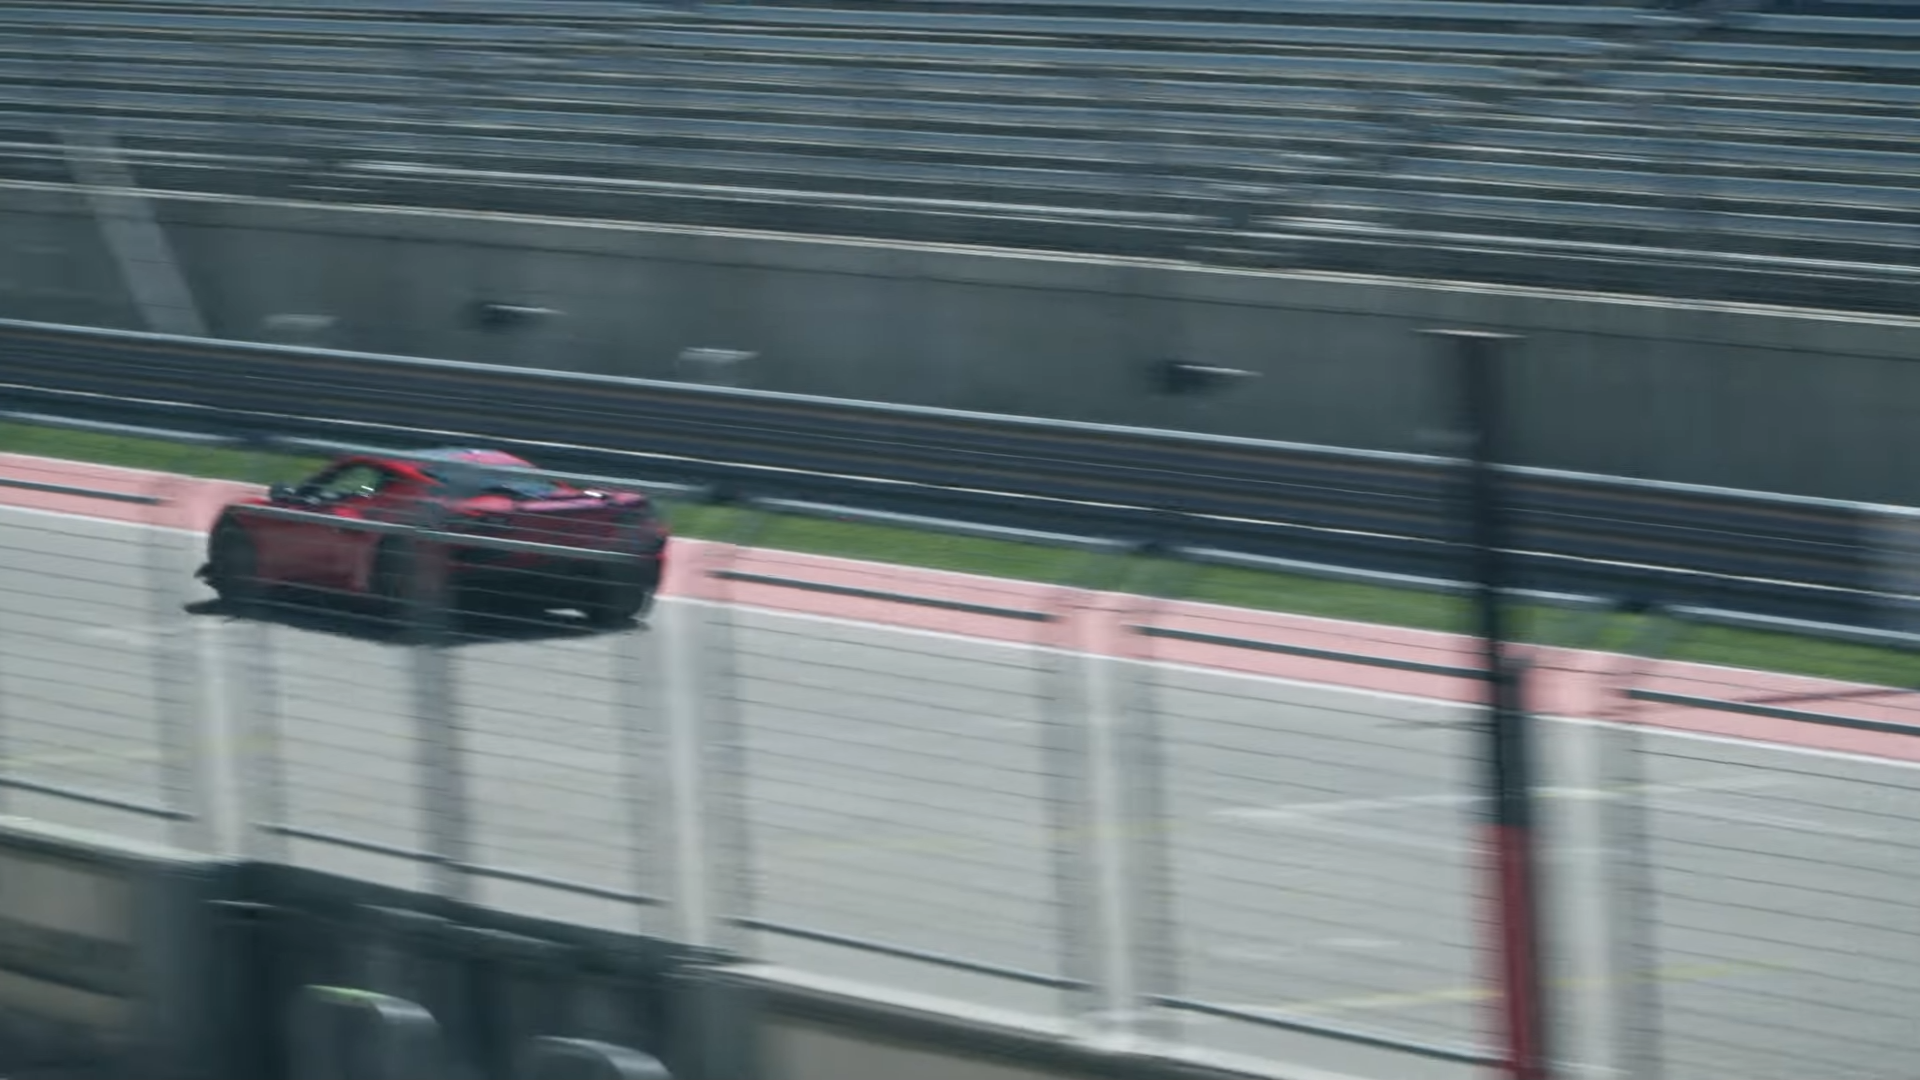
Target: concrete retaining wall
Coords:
[[1768, 399]]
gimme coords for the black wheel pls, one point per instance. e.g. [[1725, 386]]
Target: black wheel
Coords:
[[232, 566], [620, 596]]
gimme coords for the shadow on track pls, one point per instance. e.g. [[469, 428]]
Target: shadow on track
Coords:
[[320, 614]]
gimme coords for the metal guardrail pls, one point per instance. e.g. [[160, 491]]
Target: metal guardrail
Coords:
[[1386, 512]]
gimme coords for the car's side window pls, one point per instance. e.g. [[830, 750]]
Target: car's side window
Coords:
[[348, 481]]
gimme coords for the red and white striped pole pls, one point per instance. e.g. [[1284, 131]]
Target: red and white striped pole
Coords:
[[1476, 369]]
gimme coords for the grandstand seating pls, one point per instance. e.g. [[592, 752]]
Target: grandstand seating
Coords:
[[1761, 155]]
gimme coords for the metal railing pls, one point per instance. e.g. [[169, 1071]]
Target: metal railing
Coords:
[[937, 783], [1825, 560]]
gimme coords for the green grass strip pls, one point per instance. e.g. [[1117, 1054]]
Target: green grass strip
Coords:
[[1052, 565]]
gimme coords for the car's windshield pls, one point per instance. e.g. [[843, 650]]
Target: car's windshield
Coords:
[[468, 480]]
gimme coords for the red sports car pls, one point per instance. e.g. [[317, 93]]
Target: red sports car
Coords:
[[553, 540]]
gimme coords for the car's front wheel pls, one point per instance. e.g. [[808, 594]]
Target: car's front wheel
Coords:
[[233, 566]]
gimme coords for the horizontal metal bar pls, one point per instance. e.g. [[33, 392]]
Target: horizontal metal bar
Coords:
[[534, 547], [625, 12], [804, 403], [1287, 32], [456, 539], [807, 410], [827, 124], [133, 21], [1766, 54], [370, 847], [1795, 556], [577, 888], [93, 798], [1435, 1051], [1733, 87], [1772, 624], [1772, 712], [1309, 653], [1383, 579], [1352, 575], [282, 513], [1077, 57], [128, 430], [481, 870], [900, 952], [621, 12], [1851, 26], [82, 492], [924, 523], [1501, 11], [879, 594]]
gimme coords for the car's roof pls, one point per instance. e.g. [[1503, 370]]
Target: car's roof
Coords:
[[472, 456]]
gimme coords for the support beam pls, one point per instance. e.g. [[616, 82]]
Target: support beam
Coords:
[[1475, 360], [133, 235]]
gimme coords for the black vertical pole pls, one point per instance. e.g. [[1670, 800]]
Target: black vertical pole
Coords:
[[1475, 368]]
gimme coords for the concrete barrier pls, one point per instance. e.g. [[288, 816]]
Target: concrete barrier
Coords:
[[807, 1033], [358, 980], [1766, 399], [118, 959], [110, 958]]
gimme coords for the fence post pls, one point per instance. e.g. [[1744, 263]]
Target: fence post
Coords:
[[720, 743], [442, 768], [1085, 933], [645, 764], [1108, 857], [262, 785], [646, 679], [6, 719], [1631, 886], [1143, 774], [682, 828], [1476, 358], [187, 773]]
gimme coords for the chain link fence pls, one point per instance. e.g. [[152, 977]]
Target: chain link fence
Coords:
[[1010, 793], [1763, 859], [1070, 783], [99, 683], [1321, 817]]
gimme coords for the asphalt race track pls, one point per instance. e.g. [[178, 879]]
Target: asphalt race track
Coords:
[[913, 789]]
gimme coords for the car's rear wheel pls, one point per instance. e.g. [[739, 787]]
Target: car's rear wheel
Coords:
[[233, 566], [622, 594], [387, 582]]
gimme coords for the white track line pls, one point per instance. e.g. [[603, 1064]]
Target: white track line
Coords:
[[31, 511]]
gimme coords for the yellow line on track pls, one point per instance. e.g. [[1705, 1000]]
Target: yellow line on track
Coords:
[[1675, 973]]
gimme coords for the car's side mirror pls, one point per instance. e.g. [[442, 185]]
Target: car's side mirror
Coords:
[[281, 493]]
